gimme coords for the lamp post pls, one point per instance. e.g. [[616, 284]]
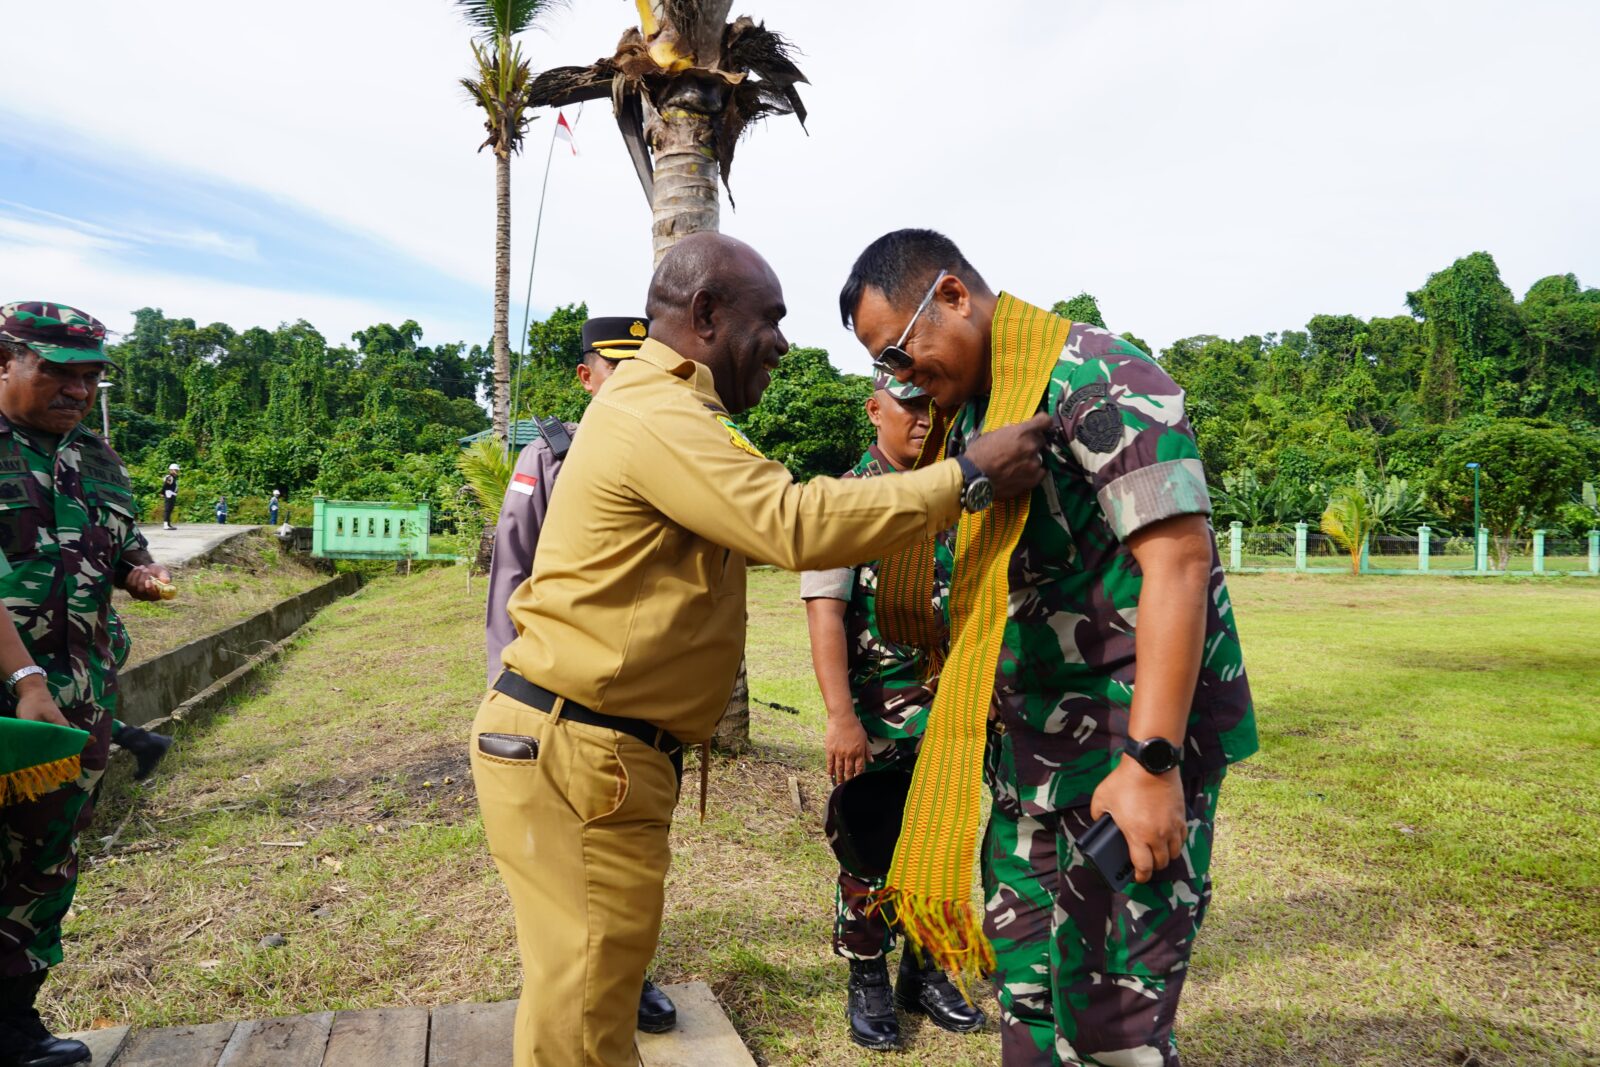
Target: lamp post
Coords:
[[105, 411], [1477, 564]]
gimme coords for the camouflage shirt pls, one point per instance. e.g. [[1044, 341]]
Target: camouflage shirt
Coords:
[[891, 696], [1121, 456], [66, 522]]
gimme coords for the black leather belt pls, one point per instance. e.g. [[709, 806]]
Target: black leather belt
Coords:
[[523, 691]]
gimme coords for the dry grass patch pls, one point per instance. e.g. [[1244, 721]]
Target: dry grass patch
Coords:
[[244, 576]]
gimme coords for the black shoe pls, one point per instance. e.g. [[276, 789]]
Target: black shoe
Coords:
[[24, 1041], [871, 1006], [147, 748], [657, 1014], [927, 989]]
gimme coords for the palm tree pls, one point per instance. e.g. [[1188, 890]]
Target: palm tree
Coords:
[[1349, 520], [499, 85], [684, 85]]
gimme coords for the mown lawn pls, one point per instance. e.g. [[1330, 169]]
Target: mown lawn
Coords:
[[1407, 873]]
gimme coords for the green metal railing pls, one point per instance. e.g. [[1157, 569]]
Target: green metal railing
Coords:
[[362, 529], [1427, 553]]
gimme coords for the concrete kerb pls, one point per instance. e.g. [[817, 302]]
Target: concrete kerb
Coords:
[[196, 675]]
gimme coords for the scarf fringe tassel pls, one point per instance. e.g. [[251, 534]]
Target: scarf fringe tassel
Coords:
[[948, 933], [30, 783]]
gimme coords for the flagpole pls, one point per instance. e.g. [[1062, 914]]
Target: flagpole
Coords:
[[527, 300]]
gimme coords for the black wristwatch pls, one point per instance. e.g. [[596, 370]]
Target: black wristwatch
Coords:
[[977, 491], [1157, 755]]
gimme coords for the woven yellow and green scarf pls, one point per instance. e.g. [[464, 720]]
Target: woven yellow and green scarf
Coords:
[[929, 887]]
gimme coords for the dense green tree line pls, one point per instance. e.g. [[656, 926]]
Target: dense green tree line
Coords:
[[1393, 407], [1471, 375], [246, 413]]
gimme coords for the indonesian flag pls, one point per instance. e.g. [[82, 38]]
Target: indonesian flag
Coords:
[[564, 131], [523, 483]]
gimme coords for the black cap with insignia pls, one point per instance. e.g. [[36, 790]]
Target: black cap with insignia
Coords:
[[615, 338]]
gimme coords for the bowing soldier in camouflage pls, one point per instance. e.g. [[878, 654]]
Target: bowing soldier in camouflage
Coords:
[[1115, 576], [605, 342], [877, 694], [67, 530]]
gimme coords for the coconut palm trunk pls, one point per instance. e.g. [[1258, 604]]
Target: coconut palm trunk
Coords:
[[685, 199], [502, 298]]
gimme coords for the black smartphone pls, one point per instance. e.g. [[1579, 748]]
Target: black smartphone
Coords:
[[1104, 846]]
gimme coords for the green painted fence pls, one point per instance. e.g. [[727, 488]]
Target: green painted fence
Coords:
[[1426, 553], [364, 529]]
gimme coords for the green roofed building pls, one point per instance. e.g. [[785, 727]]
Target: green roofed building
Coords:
[[523, 433]]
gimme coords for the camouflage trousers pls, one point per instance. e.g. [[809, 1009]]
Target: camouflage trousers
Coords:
[[39, 861], [859, 931], [1088, 976]]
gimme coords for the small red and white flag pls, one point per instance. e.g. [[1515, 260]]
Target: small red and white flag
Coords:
[[523, 483], [564, 131]]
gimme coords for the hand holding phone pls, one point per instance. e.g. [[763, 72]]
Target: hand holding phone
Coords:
[[1107, 852]]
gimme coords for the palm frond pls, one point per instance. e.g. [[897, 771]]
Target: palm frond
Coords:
[[560, 86], [500, 88], [1349, 521], [504, 19], [487, 467]]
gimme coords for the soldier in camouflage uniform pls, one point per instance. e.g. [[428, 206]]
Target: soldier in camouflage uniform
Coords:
[[67, 529], [878, 695], [1116, 569]]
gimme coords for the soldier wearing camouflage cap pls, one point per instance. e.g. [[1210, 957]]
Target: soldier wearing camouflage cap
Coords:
[[1116, 569], [877, 694], [67, 529]]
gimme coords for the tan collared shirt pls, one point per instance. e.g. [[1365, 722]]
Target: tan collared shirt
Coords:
[[636, 604]]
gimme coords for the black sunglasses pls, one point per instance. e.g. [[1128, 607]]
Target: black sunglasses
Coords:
[[894, 358]]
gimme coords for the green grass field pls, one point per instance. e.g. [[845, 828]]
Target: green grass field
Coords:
[[1407, 873]]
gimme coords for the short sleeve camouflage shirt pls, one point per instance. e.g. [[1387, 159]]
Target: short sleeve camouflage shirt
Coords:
[[892, 698], [67, 517], [1122, 456]]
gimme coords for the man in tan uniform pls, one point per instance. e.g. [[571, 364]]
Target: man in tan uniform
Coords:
[[606, 342], [631, 629]]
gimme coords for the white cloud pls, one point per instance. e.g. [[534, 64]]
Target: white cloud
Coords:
[[1225, 167], [59, 263]]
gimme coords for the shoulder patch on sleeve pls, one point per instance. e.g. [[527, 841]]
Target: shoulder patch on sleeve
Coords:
[[1101, 429], [737, 437]]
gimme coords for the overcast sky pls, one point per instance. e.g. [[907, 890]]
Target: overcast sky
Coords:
[[1213, 166]]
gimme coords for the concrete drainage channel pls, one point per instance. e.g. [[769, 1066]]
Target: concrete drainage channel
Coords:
[[195, 678]]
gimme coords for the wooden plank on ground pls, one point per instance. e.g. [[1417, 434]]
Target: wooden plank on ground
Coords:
[[177, 1046], [472, 1035], [104, 1045], [382, 1037], [703, 1037], [297, 1041]]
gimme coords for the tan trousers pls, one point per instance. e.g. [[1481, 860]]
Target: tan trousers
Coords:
[[580, 836]]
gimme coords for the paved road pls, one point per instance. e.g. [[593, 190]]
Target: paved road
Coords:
[[173, 547]]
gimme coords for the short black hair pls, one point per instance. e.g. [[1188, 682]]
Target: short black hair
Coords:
[[592, 356], [902, 265]]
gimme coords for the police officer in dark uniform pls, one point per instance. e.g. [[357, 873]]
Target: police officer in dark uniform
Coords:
[[605, 343]]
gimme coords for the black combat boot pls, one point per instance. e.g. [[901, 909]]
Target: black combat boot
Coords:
[[924, 987], [657, 1014], [24, 1041], [871, 1006], [147, 748]]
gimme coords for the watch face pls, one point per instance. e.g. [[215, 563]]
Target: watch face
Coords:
[[979, 495], [1158, 755]]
